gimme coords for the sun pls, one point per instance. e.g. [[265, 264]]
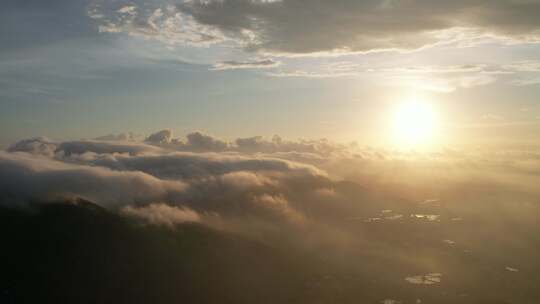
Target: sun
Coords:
[[414, 124]]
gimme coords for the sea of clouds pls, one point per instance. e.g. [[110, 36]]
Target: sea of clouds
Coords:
[[202, 177]]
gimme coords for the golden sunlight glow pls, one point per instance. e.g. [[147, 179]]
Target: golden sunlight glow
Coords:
[[414, 124]]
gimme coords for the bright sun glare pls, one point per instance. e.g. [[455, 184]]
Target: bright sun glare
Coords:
[[414, 123]]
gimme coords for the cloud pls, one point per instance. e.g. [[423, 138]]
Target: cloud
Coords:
[[186, 165], [128, 9], [311, 74], [438, 78], [162, 24], [118, 137], [293, 27], [195, 141], [432, 69], [95, 146], [117, 174], [296, 27], [279, 205], [161, 137], [249, 64], [278, 145], [243, 180], [474, 81], [529, 72], [198, 141], [38, 145], [161, 214], [524, 66], [25, 178], [329, 70], [526, 82], [205, 183], [256, 179], [492, 117]]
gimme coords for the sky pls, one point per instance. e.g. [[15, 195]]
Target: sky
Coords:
[[299, 69]]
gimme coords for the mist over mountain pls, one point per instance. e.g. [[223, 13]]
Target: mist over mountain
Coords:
[[167, 221]]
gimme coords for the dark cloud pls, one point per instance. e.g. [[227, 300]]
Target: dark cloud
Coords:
[[300, 27], [294, 26]]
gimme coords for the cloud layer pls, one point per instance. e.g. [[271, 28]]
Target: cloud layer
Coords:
[[299, 27], [26, 178], [203, 175], [277, 179]]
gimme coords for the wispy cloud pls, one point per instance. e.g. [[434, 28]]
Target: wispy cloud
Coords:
[[161, 214], [526, 81], [524, 66], [246, 64]]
